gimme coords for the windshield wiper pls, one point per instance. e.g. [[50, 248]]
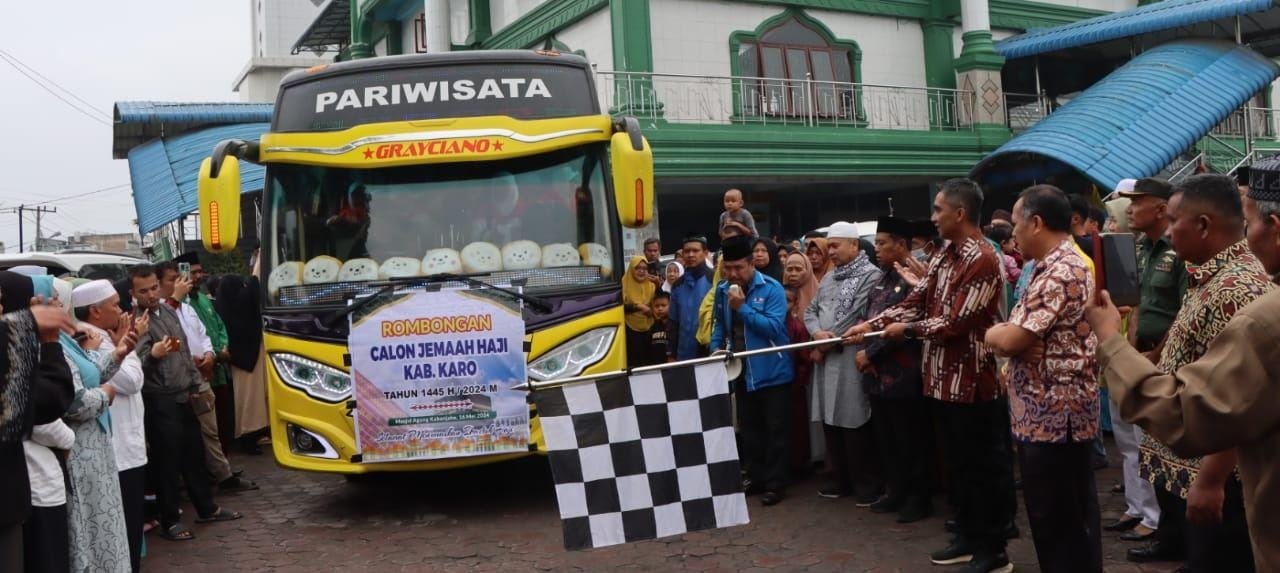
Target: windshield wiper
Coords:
[[538, 304]]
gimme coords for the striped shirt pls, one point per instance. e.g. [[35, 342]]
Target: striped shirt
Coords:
[[951, 309]]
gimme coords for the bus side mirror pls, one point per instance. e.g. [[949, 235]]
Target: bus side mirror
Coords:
[[219, 201], [632, 164]]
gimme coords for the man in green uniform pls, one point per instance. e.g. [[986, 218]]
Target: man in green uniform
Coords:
[[1163, 282]]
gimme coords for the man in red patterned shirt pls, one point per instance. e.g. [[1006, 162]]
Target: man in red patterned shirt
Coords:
[[1053, 386], [950, 310]]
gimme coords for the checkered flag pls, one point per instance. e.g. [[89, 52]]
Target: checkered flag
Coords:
[[643, 457]]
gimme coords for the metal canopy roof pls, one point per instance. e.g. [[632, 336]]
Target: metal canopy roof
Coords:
[[163, 171], [137, 122], [1157, 23], [1136, 120], [329, 32]]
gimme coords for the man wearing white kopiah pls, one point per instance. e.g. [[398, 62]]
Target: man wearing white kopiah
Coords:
[[839, 401], [97, 306]]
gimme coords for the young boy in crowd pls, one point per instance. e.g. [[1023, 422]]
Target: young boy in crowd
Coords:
[[735, 220], [656, 344]]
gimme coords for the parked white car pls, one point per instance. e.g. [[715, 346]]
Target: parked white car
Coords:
[[73, 264]]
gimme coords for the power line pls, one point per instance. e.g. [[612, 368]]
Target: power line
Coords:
[[85, 194], [55, 84], [54, 93]]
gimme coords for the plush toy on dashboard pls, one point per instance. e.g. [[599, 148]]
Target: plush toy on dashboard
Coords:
[[358, 270], [560, 255], [595, 254], [322, 269], [440, 261], [481, 257], [399, 267], [286, 274], [521, 255]]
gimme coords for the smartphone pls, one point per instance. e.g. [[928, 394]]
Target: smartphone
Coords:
[[184, 269], [1118, 271]]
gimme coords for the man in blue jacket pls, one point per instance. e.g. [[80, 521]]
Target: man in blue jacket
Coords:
[[686, 297], [751, 313]]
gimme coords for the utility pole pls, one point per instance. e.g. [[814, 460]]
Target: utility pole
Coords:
[[39, 210]]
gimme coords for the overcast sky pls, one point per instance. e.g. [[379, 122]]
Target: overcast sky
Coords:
[[103, 52]]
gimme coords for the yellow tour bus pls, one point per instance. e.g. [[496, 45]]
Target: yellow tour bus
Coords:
[[396, 169]]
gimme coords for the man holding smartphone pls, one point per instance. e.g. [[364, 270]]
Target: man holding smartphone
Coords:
[[174, 287], [171, 384]]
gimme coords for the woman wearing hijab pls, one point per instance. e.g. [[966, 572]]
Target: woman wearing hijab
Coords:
[[816, 250], [637, 292], [35, 389], [764, 255], [96, 528], [809, 444], [238, 303], [672, 273]]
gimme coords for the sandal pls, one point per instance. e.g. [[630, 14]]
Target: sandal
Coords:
[[222, 514], [177, 532]]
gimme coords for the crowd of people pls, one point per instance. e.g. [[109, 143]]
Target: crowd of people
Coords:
[[115, 398], [958, 349]]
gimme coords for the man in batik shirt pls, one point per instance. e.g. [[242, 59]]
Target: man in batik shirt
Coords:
[[1207, 230], [950, 310], [1053, 386]]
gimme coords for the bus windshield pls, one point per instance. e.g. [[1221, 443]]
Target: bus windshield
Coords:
[[541, 221]]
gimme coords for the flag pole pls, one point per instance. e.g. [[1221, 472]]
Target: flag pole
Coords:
[[718, 356]]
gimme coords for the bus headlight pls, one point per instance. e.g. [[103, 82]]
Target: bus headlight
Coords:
[[574, 356], [317, 380]]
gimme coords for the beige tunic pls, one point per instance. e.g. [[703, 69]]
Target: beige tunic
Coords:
[[1195, 413]]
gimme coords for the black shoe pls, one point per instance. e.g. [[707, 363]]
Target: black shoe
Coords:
[[867, 499], [1017, 484], [1117, 488], [956, 553], [771, 498], [834, 493], [235, 484], [749, 488], [951, 525], [1155, 552], [989, 563], [1011, 531], [915, 509], [1123, 524], [1140, 533], [887, 504], [1100, 464]]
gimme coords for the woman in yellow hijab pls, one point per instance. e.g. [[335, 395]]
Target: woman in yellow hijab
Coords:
[[637, 292]]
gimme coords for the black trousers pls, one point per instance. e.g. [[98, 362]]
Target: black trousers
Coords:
[[904, 436], [45, 540], [1062, 505], [981, 469], [855, 465], [177, 447], [1222, 547], [133, 491], [764, 420]]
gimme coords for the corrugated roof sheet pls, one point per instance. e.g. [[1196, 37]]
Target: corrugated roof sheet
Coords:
[[137, 122], [163, 172], [1136, 120], [1143, 19]]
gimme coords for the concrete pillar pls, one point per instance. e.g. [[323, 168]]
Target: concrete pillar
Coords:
[[978, 70], [633, 52], [439, 40]]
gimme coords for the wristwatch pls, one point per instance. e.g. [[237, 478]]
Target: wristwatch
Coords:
[[911, 330]]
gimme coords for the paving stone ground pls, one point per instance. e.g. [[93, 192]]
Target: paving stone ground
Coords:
[[504, 517]]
